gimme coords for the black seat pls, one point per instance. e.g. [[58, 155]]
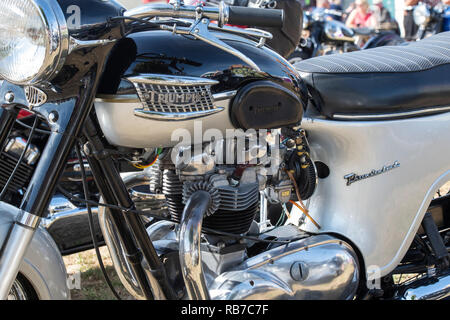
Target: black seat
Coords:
[[382, 83]]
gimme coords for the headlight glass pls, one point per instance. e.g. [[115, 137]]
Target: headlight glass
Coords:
[[22, 40], [421, 14], [32, 40]]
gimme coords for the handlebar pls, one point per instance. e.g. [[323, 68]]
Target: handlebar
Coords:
[[256, 17], [223, 14]]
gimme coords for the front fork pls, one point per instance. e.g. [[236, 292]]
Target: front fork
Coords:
[[68, 120], [68, 117]]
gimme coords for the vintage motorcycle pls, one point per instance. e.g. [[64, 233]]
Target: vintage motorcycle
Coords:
[[225, 127], [431, 20], [322, 36]]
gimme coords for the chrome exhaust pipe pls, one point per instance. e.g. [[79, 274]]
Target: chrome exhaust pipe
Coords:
[[433, 288], [190, 239], [123, 269], [113, 242]]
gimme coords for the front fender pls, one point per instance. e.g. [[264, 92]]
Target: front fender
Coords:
[[43, 265]]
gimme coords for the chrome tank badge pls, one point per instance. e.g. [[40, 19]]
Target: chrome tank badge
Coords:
[[353, 177], [174, 98]]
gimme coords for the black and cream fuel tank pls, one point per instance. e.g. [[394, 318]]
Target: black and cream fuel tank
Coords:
[[156, 82]]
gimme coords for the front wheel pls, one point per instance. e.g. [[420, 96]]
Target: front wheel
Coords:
[[22, 290]]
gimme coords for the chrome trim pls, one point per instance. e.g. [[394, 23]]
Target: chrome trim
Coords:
[[48, 222], [387, 116], [35, 97], [190, 236], [353, 177], [224, 95], [253, 32], [113, 242], [164, 110], [75, 44], [174, 116], [312, 268], [131, 98], [9, 97], [168, 80], [12, 254], [433, 288], [17, 145], [224, 14], [200, 31], [168, 10], [28, 220], [264, 223]]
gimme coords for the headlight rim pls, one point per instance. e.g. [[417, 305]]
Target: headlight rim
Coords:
[[56, 40]]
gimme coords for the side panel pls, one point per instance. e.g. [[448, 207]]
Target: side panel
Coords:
[[382, 213]]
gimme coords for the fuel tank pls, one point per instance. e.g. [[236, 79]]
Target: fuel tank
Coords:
[[87, 14], [156, 82]]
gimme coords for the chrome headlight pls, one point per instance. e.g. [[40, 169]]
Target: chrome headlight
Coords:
[[34, 40], [421, 14]]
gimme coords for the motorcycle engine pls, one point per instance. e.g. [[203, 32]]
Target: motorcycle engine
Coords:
[[235, 185], [238, 268]]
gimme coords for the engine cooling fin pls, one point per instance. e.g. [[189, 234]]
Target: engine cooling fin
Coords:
[[172, 188], [190, 188], [236, 209], [22, 176]]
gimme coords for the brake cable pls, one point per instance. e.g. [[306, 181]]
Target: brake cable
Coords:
[[91, 223]]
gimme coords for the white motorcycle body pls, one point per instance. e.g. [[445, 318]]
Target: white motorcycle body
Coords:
[[381, 214]]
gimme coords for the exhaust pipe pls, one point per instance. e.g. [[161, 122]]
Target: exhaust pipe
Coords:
[[434, 288], [190, 239], [113, 242]]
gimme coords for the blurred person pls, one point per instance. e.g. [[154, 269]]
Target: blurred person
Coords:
[[322, 4], [410, 26], [336, 5], [384, 15], [361, 16]]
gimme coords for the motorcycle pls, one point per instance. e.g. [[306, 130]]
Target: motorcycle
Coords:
[[231, 127], [431, 20], [322, 36]]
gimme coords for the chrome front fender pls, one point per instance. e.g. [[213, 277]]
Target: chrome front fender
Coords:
[[43, 265]]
